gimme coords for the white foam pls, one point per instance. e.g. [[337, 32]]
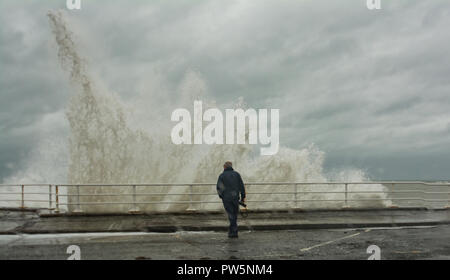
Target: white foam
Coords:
[[109, 145]]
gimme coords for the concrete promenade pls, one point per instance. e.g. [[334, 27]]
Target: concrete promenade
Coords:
[[33, 222]]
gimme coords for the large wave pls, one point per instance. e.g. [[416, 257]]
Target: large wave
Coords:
[[106, 144]]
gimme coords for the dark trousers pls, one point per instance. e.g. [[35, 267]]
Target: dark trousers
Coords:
[[232, 208]]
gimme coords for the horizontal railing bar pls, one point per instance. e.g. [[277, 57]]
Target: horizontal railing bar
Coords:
[[248, 193], [18, 200], [248, 183], [271, 193], [25, 185], [149, 202], [342, 192], [374, 199], [27, 193], [130, 194], [250, 201]]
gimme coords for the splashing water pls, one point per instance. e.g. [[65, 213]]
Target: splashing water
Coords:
[[105, 146]]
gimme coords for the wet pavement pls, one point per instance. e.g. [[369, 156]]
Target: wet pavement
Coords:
[[15, 222], [428, 242], [345, 234]]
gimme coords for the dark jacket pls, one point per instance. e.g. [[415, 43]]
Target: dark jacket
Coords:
[[230, 184]]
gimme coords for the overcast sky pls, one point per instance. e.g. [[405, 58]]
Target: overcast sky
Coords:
[[369, 88]]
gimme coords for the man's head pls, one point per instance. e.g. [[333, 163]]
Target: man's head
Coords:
[[227, 164]]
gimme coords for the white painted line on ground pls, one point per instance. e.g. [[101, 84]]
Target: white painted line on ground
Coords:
[[55, 238], [332, 241], [385, 228]]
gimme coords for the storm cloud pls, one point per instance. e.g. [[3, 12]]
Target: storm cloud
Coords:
[[370, 88]]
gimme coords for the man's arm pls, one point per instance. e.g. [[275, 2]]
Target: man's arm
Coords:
[[220, 186], [241, 187]]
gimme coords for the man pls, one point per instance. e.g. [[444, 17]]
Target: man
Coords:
[[229, 186]]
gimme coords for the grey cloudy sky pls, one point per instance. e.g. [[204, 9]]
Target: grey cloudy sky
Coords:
[[369, 88]]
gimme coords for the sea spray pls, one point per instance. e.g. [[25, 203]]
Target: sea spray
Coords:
[[107, 147]]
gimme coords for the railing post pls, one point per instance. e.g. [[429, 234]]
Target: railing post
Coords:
[[191, 205], [49, 197], [346, 196], [393, 204], [22, 205], [295, 196], [56, 199], [448, 200], [78, 209], [135, 209]]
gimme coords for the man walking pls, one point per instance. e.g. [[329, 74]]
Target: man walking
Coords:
[[229, 186]]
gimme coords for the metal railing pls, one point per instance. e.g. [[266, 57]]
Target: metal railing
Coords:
[[298, 195]]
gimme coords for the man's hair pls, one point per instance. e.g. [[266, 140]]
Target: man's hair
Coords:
[[228, 164]]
